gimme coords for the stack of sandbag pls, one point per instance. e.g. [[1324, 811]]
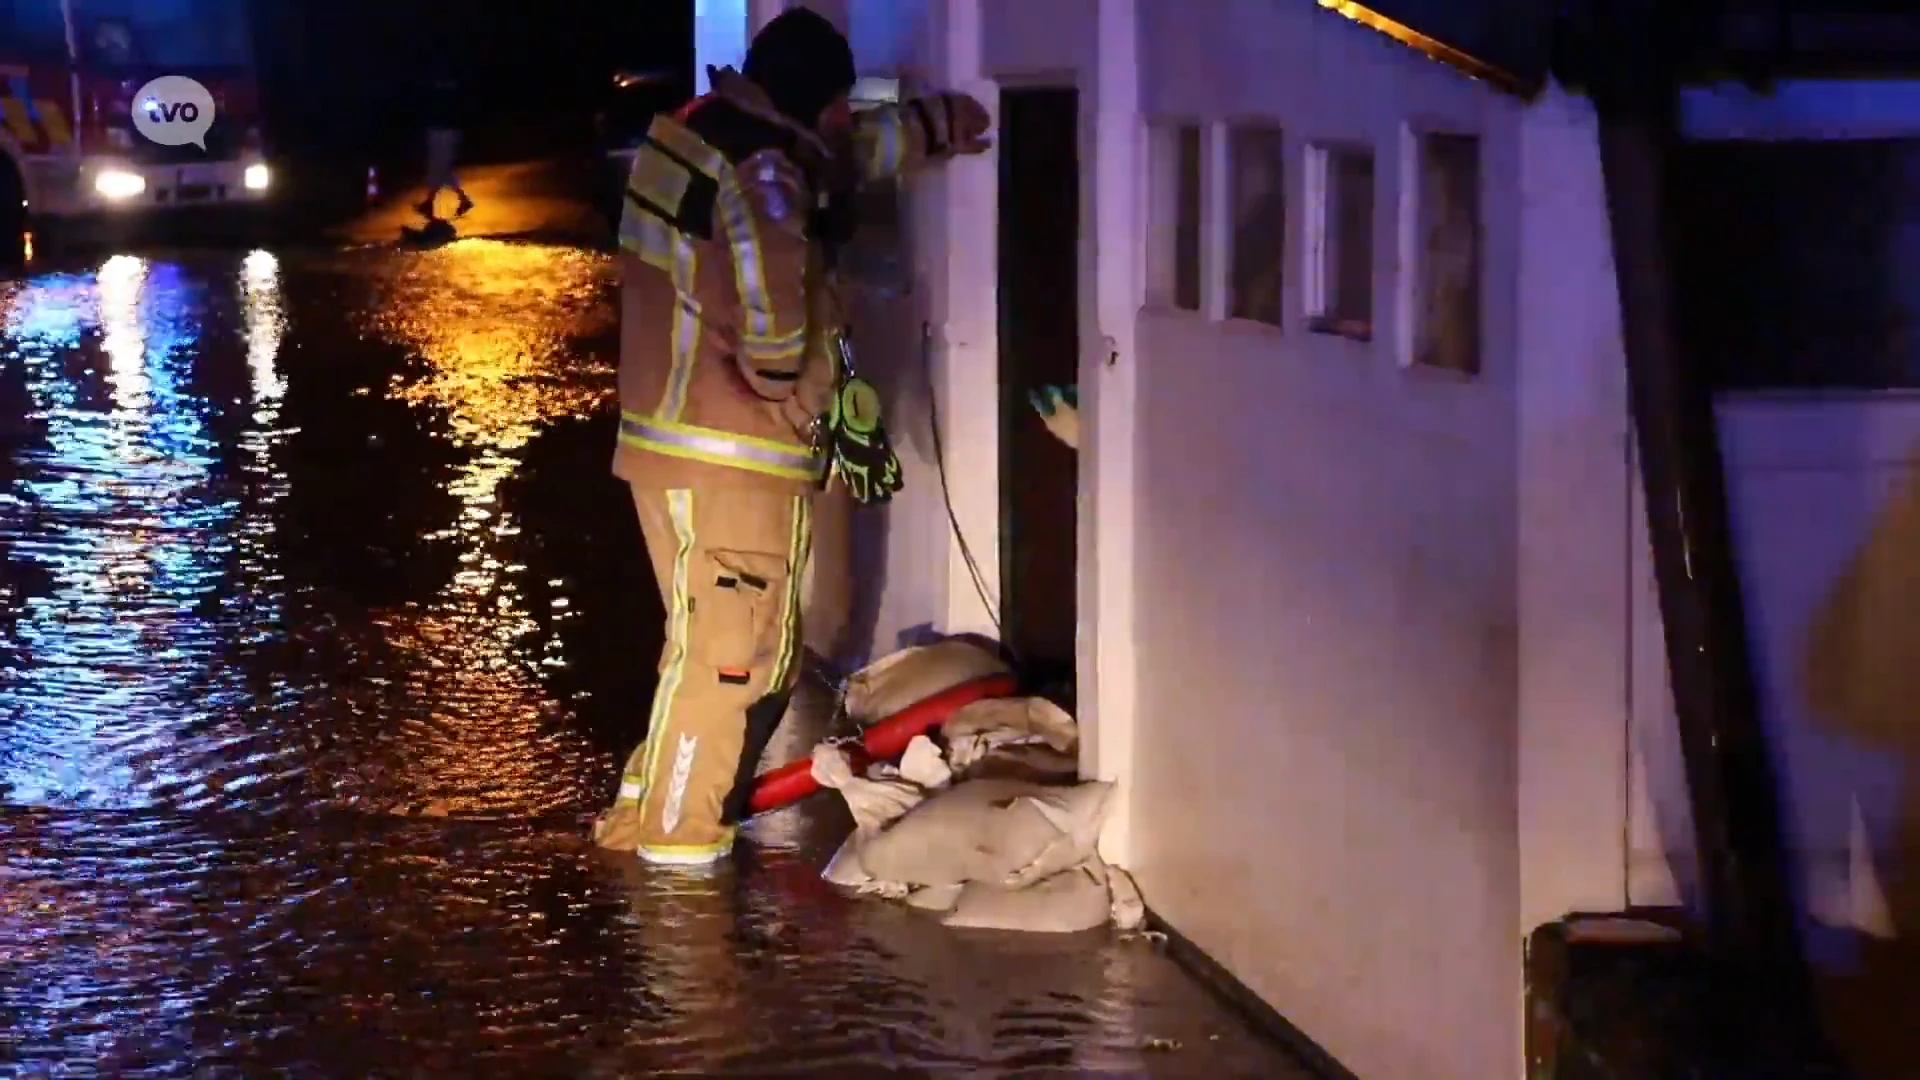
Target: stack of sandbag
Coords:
[[901, 680], [994, 831]]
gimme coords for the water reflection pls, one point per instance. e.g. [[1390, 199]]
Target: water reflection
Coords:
[[125, 532], [495, 327]]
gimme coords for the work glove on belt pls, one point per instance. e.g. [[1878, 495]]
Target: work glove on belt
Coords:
[[853, 438], [862, 455]]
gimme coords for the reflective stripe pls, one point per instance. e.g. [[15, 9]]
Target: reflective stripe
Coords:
[[665, 248], [14, 111], [881, 139], [799, 544], [686, 330], [688, 748], [760, 339], [776, 351], [721, 448], [679, 139], [687, 854], [648, 237], [680, 510], [633, 780]]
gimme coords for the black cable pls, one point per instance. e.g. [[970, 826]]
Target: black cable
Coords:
[[946, 490]]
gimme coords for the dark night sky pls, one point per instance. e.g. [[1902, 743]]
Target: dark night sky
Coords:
[[339, 74]]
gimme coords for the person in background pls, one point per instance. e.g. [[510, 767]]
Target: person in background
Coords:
[[728, 359], [443, 107]]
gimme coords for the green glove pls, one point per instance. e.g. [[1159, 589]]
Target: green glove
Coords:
[[1047, 400], [863, 457], [1059, 409]]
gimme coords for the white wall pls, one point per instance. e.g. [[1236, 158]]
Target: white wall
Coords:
[[881, 574], [1326, 755], [1576, 485]]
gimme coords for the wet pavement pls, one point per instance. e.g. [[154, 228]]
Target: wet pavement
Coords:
[[322, 630]]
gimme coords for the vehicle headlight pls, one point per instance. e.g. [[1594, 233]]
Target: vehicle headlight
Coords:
[[256, 178], [118, 184]]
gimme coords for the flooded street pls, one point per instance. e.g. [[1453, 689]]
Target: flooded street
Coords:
[[322, 630]]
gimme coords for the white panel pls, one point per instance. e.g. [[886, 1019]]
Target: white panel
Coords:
[[1325, 751]]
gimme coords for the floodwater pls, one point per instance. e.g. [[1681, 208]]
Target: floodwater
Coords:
[[322, 630]]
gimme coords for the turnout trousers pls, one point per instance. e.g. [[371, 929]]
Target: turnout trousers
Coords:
[[729, 562]]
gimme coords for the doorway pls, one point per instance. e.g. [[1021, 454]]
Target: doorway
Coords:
[[1039, 345]]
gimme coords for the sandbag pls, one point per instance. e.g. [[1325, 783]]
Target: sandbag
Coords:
[[976, 730], [1035, 763], [1006, 832], [1065, 903], [887, 791], [1010, 843], [935, 897], [876, 799], [910, 676]]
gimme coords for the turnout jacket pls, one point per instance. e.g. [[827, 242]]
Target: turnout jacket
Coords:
[[727, 299]]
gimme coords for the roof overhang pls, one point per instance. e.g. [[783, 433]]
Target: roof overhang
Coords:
[[1504, 48], [1510, 44]]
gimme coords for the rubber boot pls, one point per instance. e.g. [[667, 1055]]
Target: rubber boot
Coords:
[[763, 719]]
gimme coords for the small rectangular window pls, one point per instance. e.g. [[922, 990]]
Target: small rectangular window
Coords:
[[1340, 241], [1257, 158], [1447, 251], [1173, 242]]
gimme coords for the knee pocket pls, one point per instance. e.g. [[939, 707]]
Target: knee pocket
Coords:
[[739, 608]]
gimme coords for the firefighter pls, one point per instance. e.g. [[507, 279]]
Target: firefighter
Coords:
[[727, 359]]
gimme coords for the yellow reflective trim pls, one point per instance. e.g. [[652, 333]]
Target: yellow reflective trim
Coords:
[[690, 851], [881, 139], [749, 270], [679, 612], [14, 111], [633, 776], [54, 121], [767, 349], [686, 329], [647, 236], [678, 139], [799, 544], [721, 459], [780, 459], [695, 429], [728, 435], [659, 179], [663, 247]]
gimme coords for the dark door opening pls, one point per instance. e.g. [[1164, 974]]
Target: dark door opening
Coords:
[[1039, 303]]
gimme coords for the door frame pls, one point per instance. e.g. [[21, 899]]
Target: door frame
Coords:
[[1113, 279], [1051, 78], [964, 311]]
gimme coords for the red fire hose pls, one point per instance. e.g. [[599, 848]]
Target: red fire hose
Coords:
[[883, 741]]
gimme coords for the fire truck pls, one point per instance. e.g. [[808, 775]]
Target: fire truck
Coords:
[[69, 73]]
